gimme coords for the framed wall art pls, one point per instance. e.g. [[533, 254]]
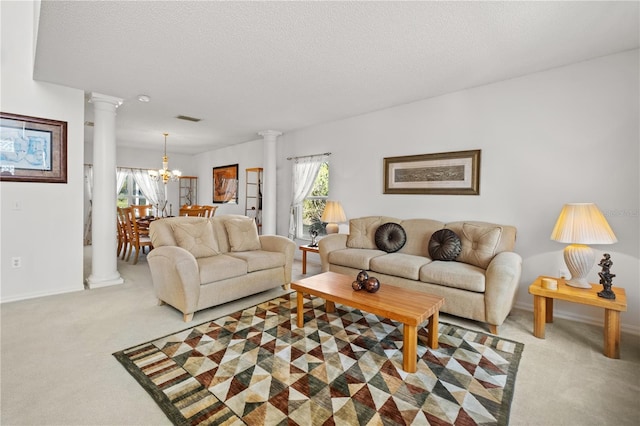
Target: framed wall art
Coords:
[[451, 173], [225, 184], [32, 149]]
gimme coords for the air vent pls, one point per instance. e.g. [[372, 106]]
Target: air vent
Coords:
[[187, 118], [88, 123]]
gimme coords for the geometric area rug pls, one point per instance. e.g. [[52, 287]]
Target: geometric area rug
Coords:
[[256, 367]]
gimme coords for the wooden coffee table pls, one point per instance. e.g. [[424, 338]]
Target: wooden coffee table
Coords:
[[409, 307]]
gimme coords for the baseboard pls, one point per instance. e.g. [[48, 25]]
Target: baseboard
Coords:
[[39, 294], [559, 313]]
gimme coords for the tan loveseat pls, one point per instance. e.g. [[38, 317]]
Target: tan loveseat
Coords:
[[479, 284], [198, 262]]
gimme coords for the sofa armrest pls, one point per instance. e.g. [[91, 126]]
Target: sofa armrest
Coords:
[[502, 279], [283, 245], [328, 244], [176, 277]]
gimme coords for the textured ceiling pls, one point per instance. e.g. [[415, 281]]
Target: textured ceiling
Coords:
[[243, 67]]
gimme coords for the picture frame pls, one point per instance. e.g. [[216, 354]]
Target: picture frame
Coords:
[[32, 149], [225, 184], [447, 173]]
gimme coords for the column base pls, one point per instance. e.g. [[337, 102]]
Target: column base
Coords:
[[97, 282]]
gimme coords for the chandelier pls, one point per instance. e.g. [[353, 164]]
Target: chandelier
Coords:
[[164, 173]]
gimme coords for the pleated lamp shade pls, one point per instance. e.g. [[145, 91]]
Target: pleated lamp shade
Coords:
[[582, 223], [332, 214]]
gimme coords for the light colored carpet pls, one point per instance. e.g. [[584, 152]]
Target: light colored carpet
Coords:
[[57, 368]]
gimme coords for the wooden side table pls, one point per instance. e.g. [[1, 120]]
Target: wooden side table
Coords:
[[543, 309], [305, 249]]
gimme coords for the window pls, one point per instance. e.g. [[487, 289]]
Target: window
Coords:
[[313, 205], [130, 193]]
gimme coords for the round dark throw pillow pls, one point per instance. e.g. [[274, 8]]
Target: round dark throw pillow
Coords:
[[444, 245], [390, 237]]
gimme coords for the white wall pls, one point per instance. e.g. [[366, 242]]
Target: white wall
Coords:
[[246, 155], [565, 135], [47, 231]]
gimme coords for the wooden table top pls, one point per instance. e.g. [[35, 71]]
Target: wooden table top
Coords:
[[585, 296], [399, 304]]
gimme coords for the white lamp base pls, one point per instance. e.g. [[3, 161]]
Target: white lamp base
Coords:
[[332, 228], [579, 259]]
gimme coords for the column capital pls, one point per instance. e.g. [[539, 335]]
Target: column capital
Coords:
[[270, 134], [99, 97]]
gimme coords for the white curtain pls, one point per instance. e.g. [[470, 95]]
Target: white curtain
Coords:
[[152, 190], [305, 171], [121, 176], [88, 195]]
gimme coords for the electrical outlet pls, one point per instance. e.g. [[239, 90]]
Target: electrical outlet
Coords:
[[16, 262]]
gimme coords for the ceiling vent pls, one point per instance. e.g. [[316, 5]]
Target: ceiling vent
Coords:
[[187, 118]]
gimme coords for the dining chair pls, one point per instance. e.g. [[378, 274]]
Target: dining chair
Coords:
[[142, 210], [137, 240], [194, 210], [209, 211], [123, 237]]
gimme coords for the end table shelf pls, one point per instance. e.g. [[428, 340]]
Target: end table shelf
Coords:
[[543, 309]]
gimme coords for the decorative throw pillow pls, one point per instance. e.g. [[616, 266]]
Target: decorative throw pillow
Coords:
[[444, 245], [362, 232], [390, 237], [243, 234], [479, 244], [197, 238]]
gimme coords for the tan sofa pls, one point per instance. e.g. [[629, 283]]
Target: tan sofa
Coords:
[[480, 284], [198, 262]]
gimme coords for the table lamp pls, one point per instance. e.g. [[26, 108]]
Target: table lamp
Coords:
[[332, 214], [580, 224]]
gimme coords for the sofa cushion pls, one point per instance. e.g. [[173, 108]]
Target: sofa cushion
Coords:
[[418, 233], [399, 265], [257, 260], [243, 234], [454, 274], [444, 245], [390, 237], [362, 231], [222, 267], [197, 238], [354, 258], [479, 244]]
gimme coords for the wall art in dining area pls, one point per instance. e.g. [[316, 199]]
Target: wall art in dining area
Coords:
[[225, 184]]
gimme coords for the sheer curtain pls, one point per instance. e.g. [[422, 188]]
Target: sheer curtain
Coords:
[[88, 196], [305, 171], [152, 190], [121, 176]]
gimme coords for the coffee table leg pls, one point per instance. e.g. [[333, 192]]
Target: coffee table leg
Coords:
[[330, 306], [432, 328], [300, 302], [612, 333], [409, 348]]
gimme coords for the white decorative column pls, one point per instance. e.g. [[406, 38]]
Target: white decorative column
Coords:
[[104, 265], [269, 193]]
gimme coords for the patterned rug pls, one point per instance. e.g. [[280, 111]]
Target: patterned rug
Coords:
[[256, 367]]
